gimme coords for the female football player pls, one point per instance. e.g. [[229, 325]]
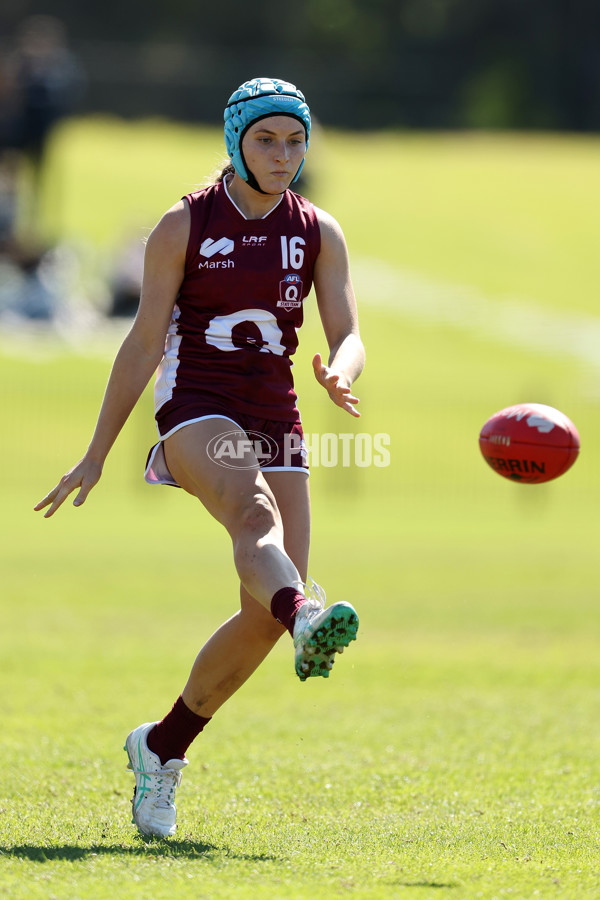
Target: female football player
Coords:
[[227, 270]]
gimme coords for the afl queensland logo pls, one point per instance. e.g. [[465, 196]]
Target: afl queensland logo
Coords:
[[290, 292]]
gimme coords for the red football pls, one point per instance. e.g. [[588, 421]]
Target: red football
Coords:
[[529, 442]]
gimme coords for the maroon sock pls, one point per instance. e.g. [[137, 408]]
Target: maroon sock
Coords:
[[284, 606], [170, 738]]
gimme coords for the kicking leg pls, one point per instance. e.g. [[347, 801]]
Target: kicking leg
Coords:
[[238, 647], [239, 497]]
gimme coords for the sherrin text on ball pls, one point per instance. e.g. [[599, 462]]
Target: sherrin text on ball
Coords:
[[529, 442]]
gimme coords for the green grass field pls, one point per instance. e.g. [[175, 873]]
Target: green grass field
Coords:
[[454, 751]]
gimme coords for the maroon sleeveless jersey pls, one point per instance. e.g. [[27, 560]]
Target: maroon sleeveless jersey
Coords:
[[234, 325]]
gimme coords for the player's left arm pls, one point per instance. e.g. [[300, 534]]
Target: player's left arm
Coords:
[[337, 309]]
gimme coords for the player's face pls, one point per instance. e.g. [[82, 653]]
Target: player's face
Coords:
[[273, 149]]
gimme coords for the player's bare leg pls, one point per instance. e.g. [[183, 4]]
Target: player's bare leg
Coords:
[[230, 656], [239, 646], [240, 498]]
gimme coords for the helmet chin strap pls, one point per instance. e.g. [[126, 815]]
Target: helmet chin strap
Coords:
[[255, 185], [252, 181]]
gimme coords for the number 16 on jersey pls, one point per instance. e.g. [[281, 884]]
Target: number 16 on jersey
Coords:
[[292, 252]]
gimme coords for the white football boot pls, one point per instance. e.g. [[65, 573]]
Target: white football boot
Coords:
[[153, 803], [320, 633]]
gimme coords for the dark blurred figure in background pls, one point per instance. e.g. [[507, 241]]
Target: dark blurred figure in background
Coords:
[[40, 83]]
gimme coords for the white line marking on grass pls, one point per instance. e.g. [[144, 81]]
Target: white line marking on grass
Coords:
[[408, 294], [36, 341], [521, 323]]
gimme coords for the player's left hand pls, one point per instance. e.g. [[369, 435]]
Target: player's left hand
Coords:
[[335, 385]]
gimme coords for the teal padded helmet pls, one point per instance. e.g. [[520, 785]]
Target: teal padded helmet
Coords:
[[259, 99]]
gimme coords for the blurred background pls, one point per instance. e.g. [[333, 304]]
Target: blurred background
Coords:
[[457, 143], [364, 63], [420, 65]]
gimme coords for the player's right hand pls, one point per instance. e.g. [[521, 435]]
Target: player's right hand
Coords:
[[84, 476]]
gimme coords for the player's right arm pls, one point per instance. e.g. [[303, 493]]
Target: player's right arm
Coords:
[[138, 356]]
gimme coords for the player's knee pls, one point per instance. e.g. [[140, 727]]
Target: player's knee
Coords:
[[258, 514]]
